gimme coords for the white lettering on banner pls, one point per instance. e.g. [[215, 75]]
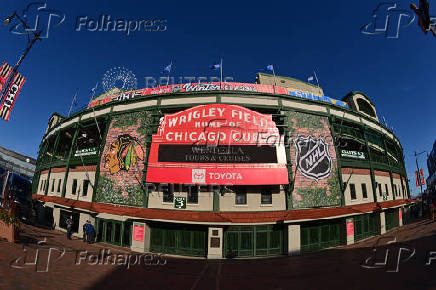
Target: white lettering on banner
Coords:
[[200, 114], [225, 175], [127, 96], [10, 98], [236, 136], [352, 154], [195, 136], [249, 118], [217, 113]]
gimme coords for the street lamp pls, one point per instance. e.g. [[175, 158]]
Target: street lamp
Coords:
[[30, 42], [418, 176], [9, 19]]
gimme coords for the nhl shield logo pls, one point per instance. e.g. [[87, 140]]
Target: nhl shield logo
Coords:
[[313, 157]]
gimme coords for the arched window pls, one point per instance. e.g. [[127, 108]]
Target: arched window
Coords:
[[365, 107]]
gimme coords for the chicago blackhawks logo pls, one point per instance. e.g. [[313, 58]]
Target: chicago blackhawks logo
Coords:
[[313, 157], [122, 154]]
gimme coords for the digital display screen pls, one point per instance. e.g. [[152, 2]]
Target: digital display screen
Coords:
[[217, 154]]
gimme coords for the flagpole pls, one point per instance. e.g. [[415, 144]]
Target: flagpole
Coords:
[[95, 118], [275, 82], [221, 78], [72, 103], [317, 83], [169, 72]]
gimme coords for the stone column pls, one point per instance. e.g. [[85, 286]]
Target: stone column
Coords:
[[294, 241], [400, 217], [56, 217], [140, 237], [382, 223], [215, 243]]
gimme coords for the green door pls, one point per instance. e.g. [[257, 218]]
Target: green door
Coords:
[[248, 241], [178, 240], [114, 232], [391, 219], [364, 226], [232, 243], [116, 238], [319, 235]]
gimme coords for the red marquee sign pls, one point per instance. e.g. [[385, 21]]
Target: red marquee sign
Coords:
[[217, 144]]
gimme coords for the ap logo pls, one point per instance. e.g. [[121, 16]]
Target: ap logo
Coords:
[[42, 19]]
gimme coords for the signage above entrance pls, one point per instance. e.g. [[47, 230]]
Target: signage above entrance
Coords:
[[353, 154], [217, 144]]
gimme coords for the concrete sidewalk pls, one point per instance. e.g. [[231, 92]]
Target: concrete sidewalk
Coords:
[[73, 264]]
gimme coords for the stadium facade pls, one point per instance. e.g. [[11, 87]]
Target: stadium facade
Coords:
[[223, 170]]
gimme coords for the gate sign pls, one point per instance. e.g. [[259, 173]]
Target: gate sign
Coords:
[[180, 202], [138, 232], [352, 154], [217, 144]]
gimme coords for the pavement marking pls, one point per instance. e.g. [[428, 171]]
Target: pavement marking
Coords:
[[218, 276], [199, 276]]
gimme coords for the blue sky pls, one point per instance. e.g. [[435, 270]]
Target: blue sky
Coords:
[[297, 37]]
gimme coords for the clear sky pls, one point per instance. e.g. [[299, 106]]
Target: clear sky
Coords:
[[398, 75]]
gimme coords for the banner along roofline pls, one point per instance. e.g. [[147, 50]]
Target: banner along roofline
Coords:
[[210, 87]]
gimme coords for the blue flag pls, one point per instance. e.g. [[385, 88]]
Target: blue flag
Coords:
[[215, 66], [94, 88], [270, 67], [167, 68], [75, 100]]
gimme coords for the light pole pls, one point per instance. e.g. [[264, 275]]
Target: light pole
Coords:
[[418, 176], [30, 42]]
